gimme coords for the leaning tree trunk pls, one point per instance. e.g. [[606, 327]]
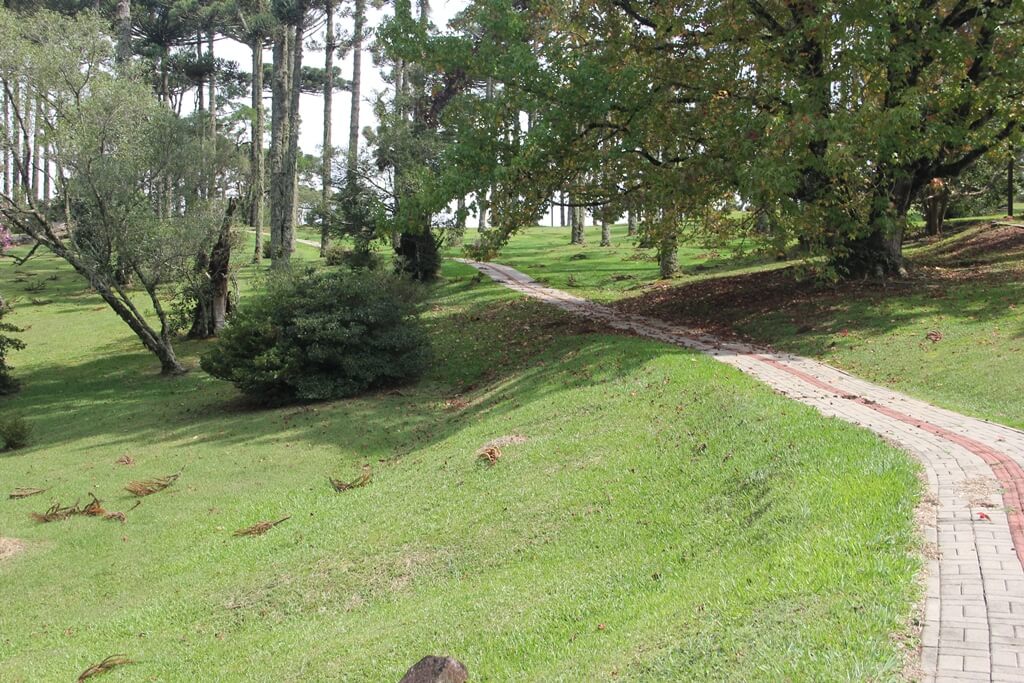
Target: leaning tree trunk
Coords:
[[212, 302], [257, 173], [327, 153]]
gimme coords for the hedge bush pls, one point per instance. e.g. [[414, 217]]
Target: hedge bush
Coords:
[[321, 335]]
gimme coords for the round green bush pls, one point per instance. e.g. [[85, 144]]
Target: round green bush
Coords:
[[15, 432], [321, 335]]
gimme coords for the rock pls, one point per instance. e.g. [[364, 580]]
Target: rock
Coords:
[[433, 669]]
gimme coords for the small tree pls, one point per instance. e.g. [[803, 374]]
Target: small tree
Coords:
[[128, 174], [322, 335], [8, 385]]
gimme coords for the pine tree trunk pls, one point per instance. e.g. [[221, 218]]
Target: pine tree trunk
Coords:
[[282, 192], [359, 20], [257, 173], [327, 153], [6, 142], [123, 26], [211, 189], [288, 234]]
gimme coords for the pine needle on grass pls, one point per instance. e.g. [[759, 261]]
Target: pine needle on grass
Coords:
[[104, 666], [489, 454], [94, 508], [23, 492], [362, 480], [150, 486], [259, 528], [55, 513]]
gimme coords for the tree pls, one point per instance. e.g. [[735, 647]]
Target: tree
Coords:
[[111, 140], [835, 115]]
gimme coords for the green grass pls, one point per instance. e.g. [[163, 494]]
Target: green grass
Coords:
[[668, 519], [877, 332], [609, 273]]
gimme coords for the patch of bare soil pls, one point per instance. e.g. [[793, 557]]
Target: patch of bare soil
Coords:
[[9, 547], [720, 305]]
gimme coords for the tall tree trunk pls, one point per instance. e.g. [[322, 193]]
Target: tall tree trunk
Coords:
[[606, 233], [35, 167], [561, 209], [211, 189], [26, 149], [282, 192], [631, 219], [6, 127], [359, 20], [123, 27], [257, 174], [288, 234], [327, 153], [460, 223]]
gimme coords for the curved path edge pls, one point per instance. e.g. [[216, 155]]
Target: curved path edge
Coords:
[[974, 607]]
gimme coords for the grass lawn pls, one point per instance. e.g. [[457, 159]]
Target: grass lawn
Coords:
[[667, 519], [609, 273], [968, 287]]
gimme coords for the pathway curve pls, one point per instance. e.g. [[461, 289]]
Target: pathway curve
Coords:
[[974, 612]]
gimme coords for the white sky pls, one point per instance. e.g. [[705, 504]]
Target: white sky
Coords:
[[311, 107]]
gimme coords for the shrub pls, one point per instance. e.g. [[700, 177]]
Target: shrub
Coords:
[[14, 432], [323, 334], [354, 259]]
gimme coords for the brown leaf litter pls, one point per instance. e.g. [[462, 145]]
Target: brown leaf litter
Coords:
[[491, 451], [125, 460], [148, 487], [259, 528], [25, 492], [362, 480], [55, 513], [104, 666]]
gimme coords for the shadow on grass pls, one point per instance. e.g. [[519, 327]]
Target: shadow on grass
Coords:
[[494, 353]]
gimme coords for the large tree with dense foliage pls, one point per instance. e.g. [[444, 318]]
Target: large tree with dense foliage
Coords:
[[829, 116]]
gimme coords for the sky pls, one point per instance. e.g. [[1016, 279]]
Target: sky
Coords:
[[311, 106]]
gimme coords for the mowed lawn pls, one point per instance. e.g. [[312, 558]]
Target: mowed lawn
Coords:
[[952, 333], [666, 519]]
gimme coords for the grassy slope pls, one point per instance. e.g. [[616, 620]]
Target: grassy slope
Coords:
[[608, 273], [977, 368], [714, 529]]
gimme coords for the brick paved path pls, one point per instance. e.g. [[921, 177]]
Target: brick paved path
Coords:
[[974, 612]]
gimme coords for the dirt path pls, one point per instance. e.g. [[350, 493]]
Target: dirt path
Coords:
[[974, 613]]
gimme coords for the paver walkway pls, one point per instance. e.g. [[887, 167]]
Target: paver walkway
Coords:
[[974, 613]]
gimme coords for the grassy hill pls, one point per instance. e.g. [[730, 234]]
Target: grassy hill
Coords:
[[666, 518]]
